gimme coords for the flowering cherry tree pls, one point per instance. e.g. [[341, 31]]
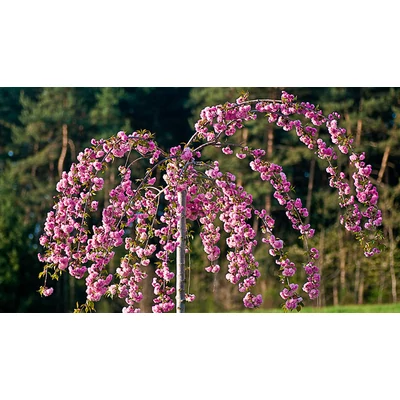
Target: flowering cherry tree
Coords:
[[150, 220]]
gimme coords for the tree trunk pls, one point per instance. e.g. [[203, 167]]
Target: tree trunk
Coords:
[[245, 135], [358, 132], [335, 293], [361, 288], [383, 164], [382, 281], [180, 254], [342, 265], [148, 291], [359, 121], [270, 149], [310, 189], [63, 149], [69, 284], [321, 297], [392, 245], [268, 204], [270, 141], [348, 123], [73, 150], [72, 294], [244, 139], [356, 280], [34, 167]]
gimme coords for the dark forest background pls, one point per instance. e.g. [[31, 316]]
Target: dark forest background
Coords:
[[43, 129]]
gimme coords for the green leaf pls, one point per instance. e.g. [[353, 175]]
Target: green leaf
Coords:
[[42, 273]]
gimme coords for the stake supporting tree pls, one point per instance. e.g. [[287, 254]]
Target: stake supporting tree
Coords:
[[198, 190], [181, 253]]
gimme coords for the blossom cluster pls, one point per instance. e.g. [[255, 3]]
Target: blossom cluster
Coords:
[[295, 212], [219, 198], [69, 242], [366, 192]]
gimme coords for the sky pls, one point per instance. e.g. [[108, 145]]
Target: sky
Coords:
[[206, 43]]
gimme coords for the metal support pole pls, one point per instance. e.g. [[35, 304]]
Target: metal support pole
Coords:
[[180, 255]]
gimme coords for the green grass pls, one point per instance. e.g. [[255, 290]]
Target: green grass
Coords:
[[367, 308]]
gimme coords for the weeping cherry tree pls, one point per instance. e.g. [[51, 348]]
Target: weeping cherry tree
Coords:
[[150, 219]]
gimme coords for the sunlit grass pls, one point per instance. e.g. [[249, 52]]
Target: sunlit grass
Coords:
[[367, 308]]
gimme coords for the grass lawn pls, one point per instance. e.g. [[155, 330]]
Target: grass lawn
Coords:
[[367, 308]]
